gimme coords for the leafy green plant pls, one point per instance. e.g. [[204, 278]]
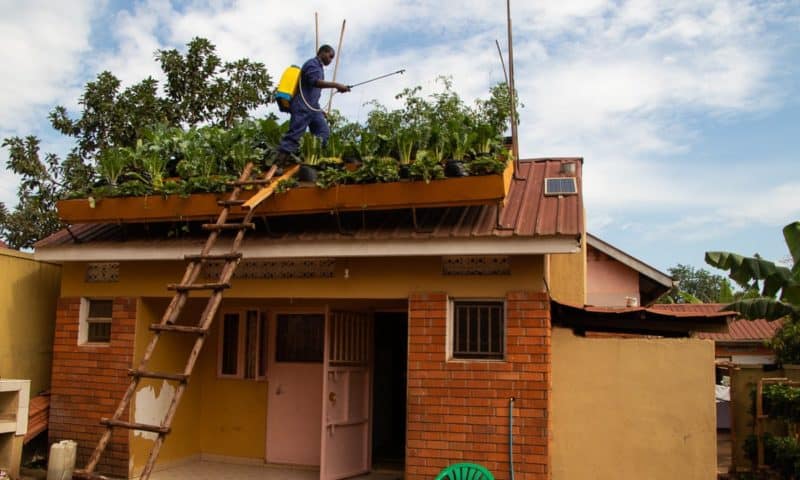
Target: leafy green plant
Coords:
[[405, 146], [112, 163], [331, 176], [485, 165], [333, 150], [377, 170], [426, 168], [310, 149], [285, 185]]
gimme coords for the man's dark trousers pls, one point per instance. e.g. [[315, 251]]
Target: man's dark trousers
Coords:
[[303, 118]]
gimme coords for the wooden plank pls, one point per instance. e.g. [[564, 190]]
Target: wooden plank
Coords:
[[267, 191]]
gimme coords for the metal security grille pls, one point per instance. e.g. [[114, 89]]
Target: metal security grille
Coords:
[[349, 338], [98, 321], [478, 331]]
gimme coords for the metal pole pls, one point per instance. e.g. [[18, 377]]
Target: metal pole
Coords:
[[336, 65], [316, 29], [512, 90], [502, 61]]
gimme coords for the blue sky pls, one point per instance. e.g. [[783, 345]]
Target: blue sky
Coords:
[[686, 112]]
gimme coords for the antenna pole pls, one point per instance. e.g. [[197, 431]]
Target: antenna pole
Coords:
[[336, 65], [512, 90]]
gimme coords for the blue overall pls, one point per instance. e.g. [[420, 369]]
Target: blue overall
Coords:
[[302, 116]]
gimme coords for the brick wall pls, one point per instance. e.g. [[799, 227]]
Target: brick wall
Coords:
[[458, 411], [88, 383]]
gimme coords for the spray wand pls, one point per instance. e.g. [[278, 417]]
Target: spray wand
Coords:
[[378, 78]]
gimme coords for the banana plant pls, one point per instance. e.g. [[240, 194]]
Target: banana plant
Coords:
[[779, 285]]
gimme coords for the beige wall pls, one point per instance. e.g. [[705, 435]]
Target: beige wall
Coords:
[[566, 274], [28, 295], [608, 281], [630, 409]]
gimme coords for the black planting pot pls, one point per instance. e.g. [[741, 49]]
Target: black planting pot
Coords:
[[307, 173], [455, 168], [404, 172]]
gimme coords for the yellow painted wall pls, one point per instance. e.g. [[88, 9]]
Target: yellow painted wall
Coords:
[[227, 417], [630, 409], [567, 276], [368, 278], [28, 296], [152, 398]]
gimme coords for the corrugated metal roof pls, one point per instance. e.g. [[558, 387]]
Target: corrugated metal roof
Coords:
[[738, 330], [527, 213]]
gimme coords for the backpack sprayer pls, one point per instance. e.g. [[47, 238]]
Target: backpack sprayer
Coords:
[[290, 80]]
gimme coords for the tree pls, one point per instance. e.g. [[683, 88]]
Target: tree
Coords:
[[778, 287], [697, 286], [199, 89]]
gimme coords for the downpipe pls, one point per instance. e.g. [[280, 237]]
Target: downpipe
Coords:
[[511, 437]]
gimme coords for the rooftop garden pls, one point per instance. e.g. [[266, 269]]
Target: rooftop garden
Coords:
[[426, 138]]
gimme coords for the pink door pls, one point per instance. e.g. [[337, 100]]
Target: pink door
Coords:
[[346, 396]]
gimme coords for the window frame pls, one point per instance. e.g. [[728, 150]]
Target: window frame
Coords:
[[84, 321], [323, 312], [262, 319], [451, 323]]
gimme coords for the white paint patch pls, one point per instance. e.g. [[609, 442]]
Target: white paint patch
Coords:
[[151, 408]]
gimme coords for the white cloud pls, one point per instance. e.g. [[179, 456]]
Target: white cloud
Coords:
[[41, 57]]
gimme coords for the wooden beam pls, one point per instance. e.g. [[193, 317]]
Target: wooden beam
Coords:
[[267, 191]]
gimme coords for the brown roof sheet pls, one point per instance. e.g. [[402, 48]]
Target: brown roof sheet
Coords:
[[527, 212], [738, 330], [639, 320]]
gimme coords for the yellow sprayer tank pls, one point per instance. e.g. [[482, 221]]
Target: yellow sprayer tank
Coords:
[[287, 88]]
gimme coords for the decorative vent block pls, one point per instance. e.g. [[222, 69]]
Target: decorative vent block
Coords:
[[276, 269], [105, 272], [476, 265]]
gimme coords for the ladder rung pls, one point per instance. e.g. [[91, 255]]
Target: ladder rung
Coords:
[[157, 327], [220, 256], [198, 286], [83, 474], [228, 226], [261, 181], [230, 203], [176, 377], [135, 426]]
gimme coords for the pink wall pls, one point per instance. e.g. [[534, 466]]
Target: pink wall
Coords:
[[609, 281]]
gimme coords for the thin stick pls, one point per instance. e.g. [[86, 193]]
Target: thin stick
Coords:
[[502, 60], [316, 29], [336, 65]]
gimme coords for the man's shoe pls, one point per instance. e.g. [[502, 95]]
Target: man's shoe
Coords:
[[283, 159]]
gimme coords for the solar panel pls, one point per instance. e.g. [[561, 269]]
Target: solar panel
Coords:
[[560, 186]]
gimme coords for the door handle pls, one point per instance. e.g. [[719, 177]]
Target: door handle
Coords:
[[332, 397], [279, 390]]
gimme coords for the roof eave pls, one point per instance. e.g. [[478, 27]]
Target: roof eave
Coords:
[[176, 249]]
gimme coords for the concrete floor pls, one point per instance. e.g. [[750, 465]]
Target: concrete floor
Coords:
[[207, 470]]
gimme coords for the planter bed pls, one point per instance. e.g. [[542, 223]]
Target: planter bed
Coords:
[[462, 191]]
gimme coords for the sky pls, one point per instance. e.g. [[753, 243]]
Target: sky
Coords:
[[686, 113]]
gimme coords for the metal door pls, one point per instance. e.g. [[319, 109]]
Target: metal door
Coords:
[[346, 396]]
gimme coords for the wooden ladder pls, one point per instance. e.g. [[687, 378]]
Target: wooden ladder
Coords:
[[173, 311]]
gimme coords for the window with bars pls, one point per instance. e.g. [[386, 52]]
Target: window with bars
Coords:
[[95, 321], [243, 345], [478, 330]]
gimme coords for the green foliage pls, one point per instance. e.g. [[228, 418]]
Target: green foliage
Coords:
[[332, 176], [199, 89], [770, 279], [696, 286], [310, 149], [377, 170], [485, 165], [782, 401], [426, 168], [285, 185]]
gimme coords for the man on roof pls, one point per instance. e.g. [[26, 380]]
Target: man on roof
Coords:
[[304, 107]]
